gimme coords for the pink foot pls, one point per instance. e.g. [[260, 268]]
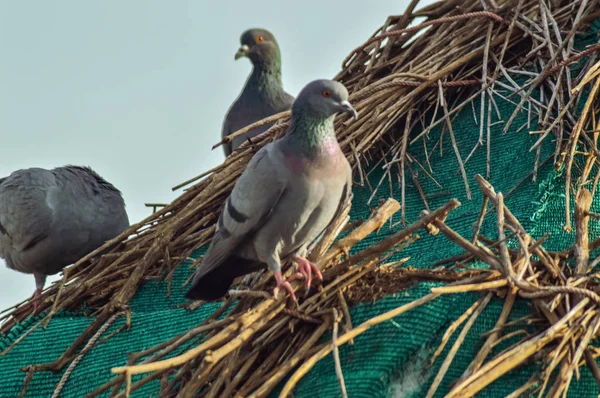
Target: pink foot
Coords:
[[36, 299], [306, 269], [285, 284]]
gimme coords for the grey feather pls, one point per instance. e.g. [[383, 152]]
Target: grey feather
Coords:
[[250, 198], [51, 218]]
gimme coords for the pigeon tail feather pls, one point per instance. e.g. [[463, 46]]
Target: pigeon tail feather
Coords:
[[216, 283]]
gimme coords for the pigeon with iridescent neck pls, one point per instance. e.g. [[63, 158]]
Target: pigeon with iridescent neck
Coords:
[[263, 94], [288, 194]]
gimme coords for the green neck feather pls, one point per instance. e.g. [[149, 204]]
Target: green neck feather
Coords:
[[308, 134], [266, 76]]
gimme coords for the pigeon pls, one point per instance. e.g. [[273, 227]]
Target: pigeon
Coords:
[[52, 218], [288, 194], [263, 94]]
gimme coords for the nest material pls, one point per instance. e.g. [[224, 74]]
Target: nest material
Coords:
[[404, 81]]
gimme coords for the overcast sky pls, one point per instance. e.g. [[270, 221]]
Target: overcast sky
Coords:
[[138, 89]]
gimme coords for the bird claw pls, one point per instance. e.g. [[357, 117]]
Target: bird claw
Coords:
[[296, 276], [285, 284], [306, 269]]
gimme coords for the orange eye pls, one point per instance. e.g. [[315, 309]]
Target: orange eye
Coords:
[[260, 39], [326, 94]]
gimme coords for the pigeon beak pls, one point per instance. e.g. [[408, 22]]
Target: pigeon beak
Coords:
[[347, 107], [242, 52]]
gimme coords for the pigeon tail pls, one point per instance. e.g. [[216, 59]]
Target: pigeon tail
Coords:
[[216, 283]]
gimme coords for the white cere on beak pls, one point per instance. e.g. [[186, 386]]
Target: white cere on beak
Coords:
[[349, 109]]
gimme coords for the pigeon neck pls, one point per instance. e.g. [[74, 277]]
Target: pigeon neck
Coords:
[[312, 135], [266, 76]]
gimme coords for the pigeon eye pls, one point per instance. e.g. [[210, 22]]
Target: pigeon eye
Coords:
[[260, 39], [326, 94]]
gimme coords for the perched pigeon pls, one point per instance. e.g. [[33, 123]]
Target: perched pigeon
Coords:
[[51, 218], [288, 194], [263, 94]]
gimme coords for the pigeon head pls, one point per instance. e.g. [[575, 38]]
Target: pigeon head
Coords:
[[324, 98], [260, 46]]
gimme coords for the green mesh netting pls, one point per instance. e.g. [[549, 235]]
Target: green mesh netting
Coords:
[[382, 355]]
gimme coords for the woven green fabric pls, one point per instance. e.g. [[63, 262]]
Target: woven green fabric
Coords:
[[380, 356]]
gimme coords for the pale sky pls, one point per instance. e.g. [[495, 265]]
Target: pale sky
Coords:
[[138, 89]]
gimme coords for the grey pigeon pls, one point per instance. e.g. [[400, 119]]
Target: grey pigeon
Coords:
[[263, 94], [288, 194], [51, 218]]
